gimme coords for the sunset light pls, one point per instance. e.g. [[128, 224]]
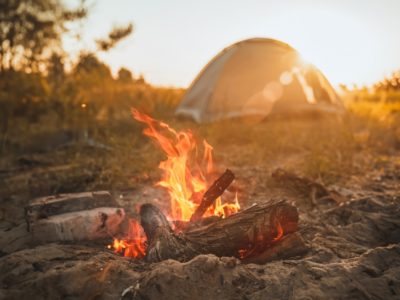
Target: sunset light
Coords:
[[214, 149], [347, 40]]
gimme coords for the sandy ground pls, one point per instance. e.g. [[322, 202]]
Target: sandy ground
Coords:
[[354, 248]]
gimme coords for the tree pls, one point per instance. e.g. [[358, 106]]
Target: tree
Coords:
[[116, 34], [89, 64], [124, 75], [56, 72], [30, 27]]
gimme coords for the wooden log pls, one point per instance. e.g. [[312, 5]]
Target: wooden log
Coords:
[[254, 228], [45, 207], [215, 191], [180, 226], [103, 222], [162, 243], [288, 246]]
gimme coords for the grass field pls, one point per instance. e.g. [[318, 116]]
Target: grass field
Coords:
[[43, 157]]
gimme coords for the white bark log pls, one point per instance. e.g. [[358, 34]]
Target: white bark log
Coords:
[[91, 224]]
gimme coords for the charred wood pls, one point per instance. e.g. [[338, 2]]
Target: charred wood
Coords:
[[288, 246], [215, 191], [257, 227]]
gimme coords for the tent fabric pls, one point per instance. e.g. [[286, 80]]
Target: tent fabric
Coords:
[[257, 77]]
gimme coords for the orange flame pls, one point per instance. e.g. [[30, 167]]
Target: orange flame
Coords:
[[208, 156], [279, 232], [134, 244], [185, 184], [181, 180], [225, 209]]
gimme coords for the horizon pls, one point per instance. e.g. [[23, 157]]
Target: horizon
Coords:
[[172, 42]]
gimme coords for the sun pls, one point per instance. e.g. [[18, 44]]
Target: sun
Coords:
[[331, 39]]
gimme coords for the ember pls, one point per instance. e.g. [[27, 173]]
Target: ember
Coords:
[[279, 231], [134, 244]]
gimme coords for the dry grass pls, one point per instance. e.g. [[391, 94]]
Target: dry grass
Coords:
[[328, 149]]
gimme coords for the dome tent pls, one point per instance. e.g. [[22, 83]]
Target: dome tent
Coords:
[[257, 77]]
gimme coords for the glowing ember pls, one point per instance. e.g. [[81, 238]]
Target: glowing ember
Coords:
[[185, 180], [243, 253], [134, 244], [279, 231]]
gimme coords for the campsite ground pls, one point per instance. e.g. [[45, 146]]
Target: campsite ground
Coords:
[[357, 154]]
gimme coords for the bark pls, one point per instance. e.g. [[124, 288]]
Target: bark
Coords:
[[290, 245], [92, 224], [45, 207], [253, 229], [215, 191]]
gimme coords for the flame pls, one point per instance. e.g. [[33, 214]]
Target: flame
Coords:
[[226, 209], [279, 231], [134, 244], [208, 156], [180, 178]]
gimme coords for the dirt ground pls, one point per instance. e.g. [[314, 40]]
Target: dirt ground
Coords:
[[354, 250]]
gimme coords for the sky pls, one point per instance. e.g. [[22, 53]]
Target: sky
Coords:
[[350, 41]]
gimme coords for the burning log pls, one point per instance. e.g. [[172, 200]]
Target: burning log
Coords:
[[250, 231], [290, 245], [243, 234], [215, 191]]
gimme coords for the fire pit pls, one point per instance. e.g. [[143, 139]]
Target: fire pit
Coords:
[[198, 221], [203, 239], [200, 218]]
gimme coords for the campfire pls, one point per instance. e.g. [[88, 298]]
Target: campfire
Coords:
[[199, 215], [198, 220]]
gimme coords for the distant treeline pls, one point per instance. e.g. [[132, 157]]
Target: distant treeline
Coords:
[[391, 83], [34, 83], [88, 93]]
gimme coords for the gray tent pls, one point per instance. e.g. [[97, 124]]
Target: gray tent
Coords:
[[257, 77]]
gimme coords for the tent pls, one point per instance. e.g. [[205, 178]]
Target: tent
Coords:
[[257, 77]]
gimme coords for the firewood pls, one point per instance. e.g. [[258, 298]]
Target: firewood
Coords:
[[290, 245], [97, 223], [215, 191], [257, 227], [180, 226], [45, 207]]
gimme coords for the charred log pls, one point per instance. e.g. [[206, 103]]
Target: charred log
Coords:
[[288, 246], [253, 229], [162, 242], [215, 191], [180, 226]]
